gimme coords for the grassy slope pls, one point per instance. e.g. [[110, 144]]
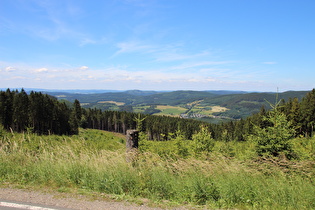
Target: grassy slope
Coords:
[[95, 161]]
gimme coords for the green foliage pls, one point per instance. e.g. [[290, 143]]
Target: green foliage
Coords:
[[307, 111], [139, 122], [94, 161], [180, 143], [203, 142], [274, 140], [43, 113], [2, 131], [304, 148]]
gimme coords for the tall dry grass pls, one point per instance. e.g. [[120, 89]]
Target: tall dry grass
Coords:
[[84, 162]]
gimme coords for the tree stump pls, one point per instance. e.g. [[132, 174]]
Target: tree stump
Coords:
[[132, 138]]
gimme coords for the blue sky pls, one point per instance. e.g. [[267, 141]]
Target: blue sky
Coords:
[[251, 45]]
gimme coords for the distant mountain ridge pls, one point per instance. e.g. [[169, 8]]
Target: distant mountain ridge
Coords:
[[132, 92]]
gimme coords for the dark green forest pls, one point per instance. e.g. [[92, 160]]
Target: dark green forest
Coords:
[[38, 113]]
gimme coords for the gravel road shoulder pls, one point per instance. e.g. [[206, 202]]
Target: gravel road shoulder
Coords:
[[69, 201]]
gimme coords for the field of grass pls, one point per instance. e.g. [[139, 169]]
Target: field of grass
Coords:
[[112, 102], [175, 111], [140, 109], [207, 110], [95, 161], [218, 109], [170, 110], [194, 103]]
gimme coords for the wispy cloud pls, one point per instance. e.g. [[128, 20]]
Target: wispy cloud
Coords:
[[48, 20], [200, 64], [174, 54], [133, 46], [41, 70], [159, 52], [9, 68]]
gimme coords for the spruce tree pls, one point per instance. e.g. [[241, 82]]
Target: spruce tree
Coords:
[[274, 139], [20, 111], [308, 113], [203, 142]]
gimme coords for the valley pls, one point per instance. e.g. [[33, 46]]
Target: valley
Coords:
[[208, 106]]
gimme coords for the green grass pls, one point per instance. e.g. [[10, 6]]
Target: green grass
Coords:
[[95, 161], [170, 110]]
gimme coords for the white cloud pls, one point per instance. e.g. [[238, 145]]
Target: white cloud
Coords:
[[18, 78], [41, 70], [9, 68], [84, 67], [198, 75]]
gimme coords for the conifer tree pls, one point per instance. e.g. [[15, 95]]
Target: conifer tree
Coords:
[[20, 111], [181, 148], [6, 109], [77, 109], [203, 142], [294, 115], [274, 139], [308, 113]]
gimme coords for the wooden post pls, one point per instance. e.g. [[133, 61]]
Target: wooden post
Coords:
[[132, 138]]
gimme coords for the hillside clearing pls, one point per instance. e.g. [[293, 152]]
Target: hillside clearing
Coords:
[[95, 162], [112, 102]]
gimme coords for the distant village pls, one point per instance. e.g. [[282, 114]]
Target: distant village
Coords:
[[197, 115]]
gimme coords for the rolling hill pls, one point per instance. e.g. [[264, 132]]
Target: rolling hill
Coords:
[[212, 106]]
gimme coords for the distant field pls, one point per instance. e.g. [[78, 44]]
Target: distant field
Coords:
[[140, 108], [194, 103], [249, 102], [207, 110], [175, 111], [170, 110], [112, 102], [219, 109]]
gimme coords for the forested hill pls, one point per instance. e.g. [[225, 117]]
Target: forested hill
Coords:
[[193, 104], [135, 97]]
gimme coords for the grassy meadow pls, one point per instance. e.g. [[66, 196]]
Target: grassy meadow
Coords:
[[175, 111], [231, 176]]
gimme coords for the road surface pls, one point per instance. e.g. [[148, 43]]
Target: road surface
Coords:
[[12, 199]]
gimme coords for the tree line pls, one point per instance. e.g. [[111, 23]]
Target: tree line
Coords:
[[38, 113]]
